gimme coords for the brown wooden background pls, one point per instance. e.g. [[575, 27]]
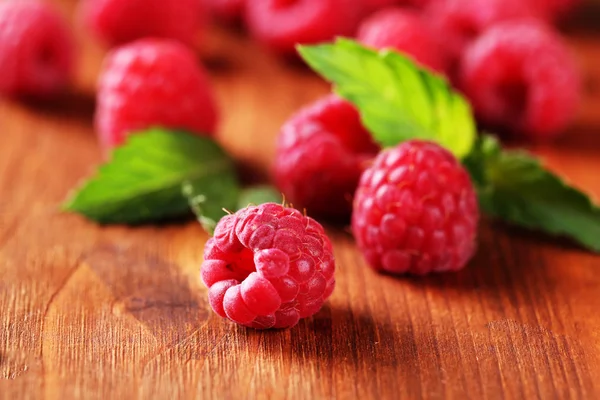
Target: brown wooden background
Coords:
[[90, 312]]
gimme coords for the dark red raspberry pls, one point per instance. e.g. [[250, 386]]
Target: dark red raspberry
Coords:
[[404, 30], [268, 266], [153, 83], [281, 24], [459, 22], [121, 21], [520, 76], [36, 49], [416, 211], [321, 152], [227, 10]]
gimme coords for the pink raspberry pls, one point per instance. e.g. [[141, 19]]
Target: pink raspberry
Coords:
[[153, 83], [281, 24], [321, 152], [521, 77], [36, 49], [268, 266], [406, 31], [416, 211], [121, 21], [227, 10], [459, 22]]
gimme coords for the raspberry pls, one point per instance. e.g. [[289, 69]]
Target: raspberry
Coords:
[[459, 22], [370, 6], [121, 21], [416, 211], [321, 152], [227, 10], [281, 24], [521, 77], [36, 49], [404, 30], [268, 266], [153, 82]]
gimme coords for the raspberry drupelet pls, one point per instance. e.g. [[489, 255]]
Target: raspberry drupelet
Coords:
[[416, 211], [268, 266]]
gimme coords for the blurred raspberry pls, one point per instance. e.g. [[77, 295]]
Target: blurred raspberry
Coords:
[[36, 49], [282, 24], [459, 22], [227, 10], [321, 152], [121, 21], [153, 83], [406, 31], [521, 77]]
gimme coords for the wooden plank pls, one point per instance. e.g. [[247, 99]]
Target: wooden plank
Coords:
[[118, 313]]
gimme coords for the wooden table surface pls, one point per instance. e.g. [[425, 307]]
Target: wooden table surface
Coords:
[[115, 312]]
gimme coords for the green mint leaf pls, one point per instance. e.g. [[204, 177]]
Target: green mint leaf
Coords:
[[257, 195], [515, 187], [210, 199], [143, 181], [397, 99]]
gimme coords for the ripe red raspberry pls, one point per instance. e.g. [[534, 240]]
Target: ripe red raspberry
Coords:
[[520, 76], [404, 30], [153, 83], [227, 10], [370, 6], [321, 152], [36, 49], [281, 24], [416, 211], [268, 266], [459, 22], [121, 21]]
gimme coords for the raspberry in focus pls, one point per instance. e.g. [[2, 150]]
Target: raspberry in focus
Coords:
[[404, 30], [117, 22], [268, 266], [321, 152], [521, 77], [282, 24], [153, 82], [416, 211], [36, 49]]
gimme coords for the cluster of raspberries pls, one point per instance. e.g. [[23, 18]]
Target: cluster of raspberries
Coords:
[[413, 207]]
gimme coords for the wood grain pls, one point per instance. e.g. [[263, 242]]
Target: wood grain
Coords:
[[91, 312]]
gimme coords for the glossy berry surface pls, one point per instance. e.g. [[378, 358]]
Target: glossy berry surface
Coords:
[[36, 49], [522, 78], [118, 22], [153, 83], [268, 266], [321, 152], [404, 30], [416, 211]]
